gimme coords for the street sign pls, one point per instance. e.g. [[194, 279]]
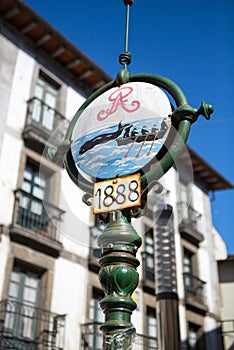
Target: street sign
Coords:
[[117, 194], [121, 131]]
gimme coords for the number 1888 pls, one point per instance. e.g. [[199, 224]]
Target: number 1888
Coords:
[[117, 194]]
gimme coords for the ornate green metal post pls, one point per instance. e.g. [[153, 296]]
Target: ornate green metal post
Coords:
[[119, 278], [122, 139]]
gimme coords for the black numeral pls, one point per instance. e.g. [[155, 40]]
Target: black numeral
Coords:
[[122, 194], [133, 195]]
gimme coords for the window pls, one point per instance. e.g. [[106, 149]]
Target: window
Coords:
[[96, 316], [149, 253], [188, 269], [23, 300], [35, 181], [95, 311], [46, 94], [151, 323], [35, 189]]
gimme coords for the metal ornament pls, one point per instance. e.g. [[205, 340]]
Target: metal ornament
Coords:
[[124, 138]]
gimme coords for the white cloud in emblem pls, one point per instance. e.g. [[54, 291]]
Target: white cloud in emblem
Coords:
[[94, 159], [96, 165], [116, 151]]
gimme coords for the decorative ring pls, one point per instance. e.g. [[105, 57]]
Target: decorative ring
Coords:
[[125, 58]]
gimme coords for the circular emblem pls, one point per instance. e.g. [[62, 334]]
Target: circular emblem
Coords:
[[121, 131]]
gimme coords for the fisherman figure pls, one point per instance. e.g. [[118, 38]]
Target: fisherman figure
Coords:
[[134, 132], [164, 125], [154, 129], [127, 130], [144, 131]]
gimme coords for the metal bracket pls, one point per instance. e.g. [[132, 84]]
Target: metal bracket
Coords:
[[186, 112]]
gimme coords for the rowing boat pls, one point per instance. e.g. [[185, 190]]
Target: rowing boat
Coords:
[[141, 138]]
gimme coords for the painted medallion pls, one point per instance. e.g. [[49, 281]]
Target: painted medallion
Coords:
[[121, 131]]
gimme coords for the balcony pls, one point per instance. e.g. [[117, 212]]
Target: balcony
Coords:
[[36, 223], [94, 250], [148, 273], [44, 125], [190, 223], [195, 293], [25, 327], [92, 339]]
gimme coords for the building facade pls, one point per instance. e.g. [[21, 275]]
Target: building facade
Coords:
[[49, 287]]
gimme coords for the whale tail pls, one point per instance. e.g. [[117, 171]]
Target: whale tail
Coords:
[[120, 126]]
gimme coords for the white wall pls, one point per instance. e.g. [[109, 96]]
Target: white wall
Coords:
[[4, 253], [73, 103], [12, 142], [69, 297], [76, 220]]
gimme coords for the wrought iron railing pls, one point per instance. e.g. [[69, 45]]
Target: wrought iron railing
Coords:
[[45, 119], [189, 217], [194, 288], [92, 338], [36, 215], [24, 327]]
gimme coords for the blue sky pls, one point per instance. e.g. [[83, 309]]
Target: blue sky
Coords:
[[190, 42]]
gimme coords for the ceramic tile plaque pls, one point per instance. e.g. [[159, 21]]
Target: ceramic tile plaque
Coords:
[[121, 131]]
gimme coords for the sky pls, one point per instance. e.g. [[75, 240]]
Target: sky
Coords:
[[189, 42]]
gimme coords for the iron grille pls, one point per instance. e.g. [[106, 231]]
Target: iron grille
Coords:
[[194, 288], [23, 327], [39, 216], [45, 120]]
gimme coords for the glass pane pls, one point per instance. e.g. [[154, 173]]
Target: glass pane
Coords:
[[30, 295], [27, 175], [150, 262], [10, 316], [50, 100], [151, 326], [100, 314], [31, 281], [38, 192], [36, 113], [13, 290], [95, 311], [36, 208], [39, 89], [38, 180], [52, 90], [192, 338], [149, 240], [48, 118], [24, 202], [91, 310], [26, 186], [27, 321], [15, 276], [149, 249]]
